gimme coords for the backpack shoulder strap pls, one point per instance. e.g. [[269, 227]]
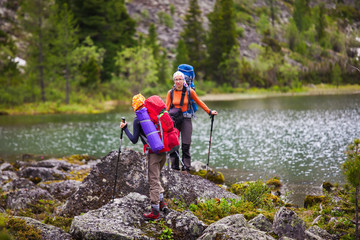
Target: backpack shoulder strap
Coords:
[[189, 95], [184, 90], [171, 98]]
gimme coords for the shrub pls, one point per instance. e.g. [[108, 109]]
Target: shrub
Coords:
[[256, 193]]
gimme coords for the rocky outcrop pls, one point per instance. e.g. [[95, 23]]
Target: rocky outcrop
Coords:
[[48, 231], [97, 188], [17, 184], [6, 167], [315, 230], [42, 174], [122, 219], [20, 199], [97, 217], [7, 176], [287, 223], [147, 12], [262, 223], [55, 164], [61, 190], [185, 224], [233, 227]]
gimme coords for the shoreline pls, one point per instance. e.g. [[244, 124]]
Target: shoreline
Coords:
[[262, 94], [111, 105]]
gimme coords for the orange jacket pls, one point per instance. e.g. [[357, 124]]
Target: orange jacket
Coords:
[[177, 99]]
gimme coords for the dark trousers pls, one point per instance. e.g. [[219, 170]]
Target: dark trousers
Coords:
[[185, 129]]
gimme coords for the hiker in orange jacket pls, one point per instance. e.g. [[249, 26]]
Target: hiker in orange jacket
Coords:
[[177, 103]]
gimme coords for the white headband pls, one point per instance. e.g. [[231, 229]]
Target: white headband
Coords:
[[178, 73]]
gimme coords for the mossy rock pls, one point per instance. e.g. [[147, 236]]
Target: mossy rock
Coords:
[[78, 159], [313, 200], [61, 222], [327, 186], [79, 175], [18, 228], [216, 177], [4, 235], [274, 183], [36, 180], [238, 188], [273, 198]]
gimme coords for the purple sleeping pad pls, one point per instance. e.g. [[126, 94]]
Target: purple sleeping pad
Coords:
[[150, 131]]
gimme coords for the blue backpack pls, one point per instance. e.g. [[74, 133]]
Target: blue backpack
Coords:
[[189, 73]]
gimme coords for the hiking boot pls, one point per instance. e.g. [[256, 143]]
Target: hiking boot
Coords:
[[184, 172], [185, 169], [153, 215], [163, 207]]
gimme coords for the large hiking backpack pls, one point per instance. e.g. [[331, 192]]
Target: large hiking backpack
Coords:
[[160, 117], [189, 73]]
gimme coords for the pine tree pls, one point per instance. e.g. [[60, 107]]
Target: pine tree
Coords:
[[301, 14], [88, 59], [320, 23], [222, 37], [34, 17], [230, 67], [138, 67], [181, 54], [193, 36], [109, 26], [65, 41], [336, 75], [272, 11], [163, 68], [151, 41]]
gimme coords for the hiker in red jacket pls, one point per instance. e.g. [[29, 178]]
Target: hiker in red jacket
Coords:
[[177, 103], [156, 162]]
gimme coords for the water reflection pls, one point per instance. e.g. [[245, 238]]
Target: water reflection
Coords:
[[300, 139]]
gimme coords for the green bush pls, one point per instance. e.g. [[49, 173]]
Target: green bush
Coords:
[[240, 31], [256, 193], [166, 19]]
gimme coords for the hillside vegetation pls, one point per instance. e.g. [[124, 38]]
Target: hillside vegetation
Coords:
[[78, 50]]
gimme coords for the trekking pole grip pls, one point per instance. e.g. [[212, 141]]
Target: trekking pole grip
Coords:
[[122, 120], [212, 121]]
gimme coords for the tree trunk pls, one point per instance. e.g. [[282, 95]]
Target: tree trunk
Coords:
[[67, 82], [67, 71], [41, 60]]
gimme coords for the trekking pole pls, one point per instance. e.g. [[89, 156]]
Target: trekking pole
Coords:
[[118, 157], [211, 129], [182, 163]]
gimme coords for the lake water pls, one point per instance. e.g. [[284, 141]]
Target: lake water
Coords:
[[301, 139]]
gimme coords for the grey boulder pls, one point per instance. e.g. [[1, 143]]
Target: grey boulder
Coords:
[[287, 223], [233, 227], [123, 219]]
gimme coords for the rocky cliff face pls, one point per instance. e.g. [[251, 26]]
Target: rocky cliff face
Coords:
[[147, 12], [168, 16]]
